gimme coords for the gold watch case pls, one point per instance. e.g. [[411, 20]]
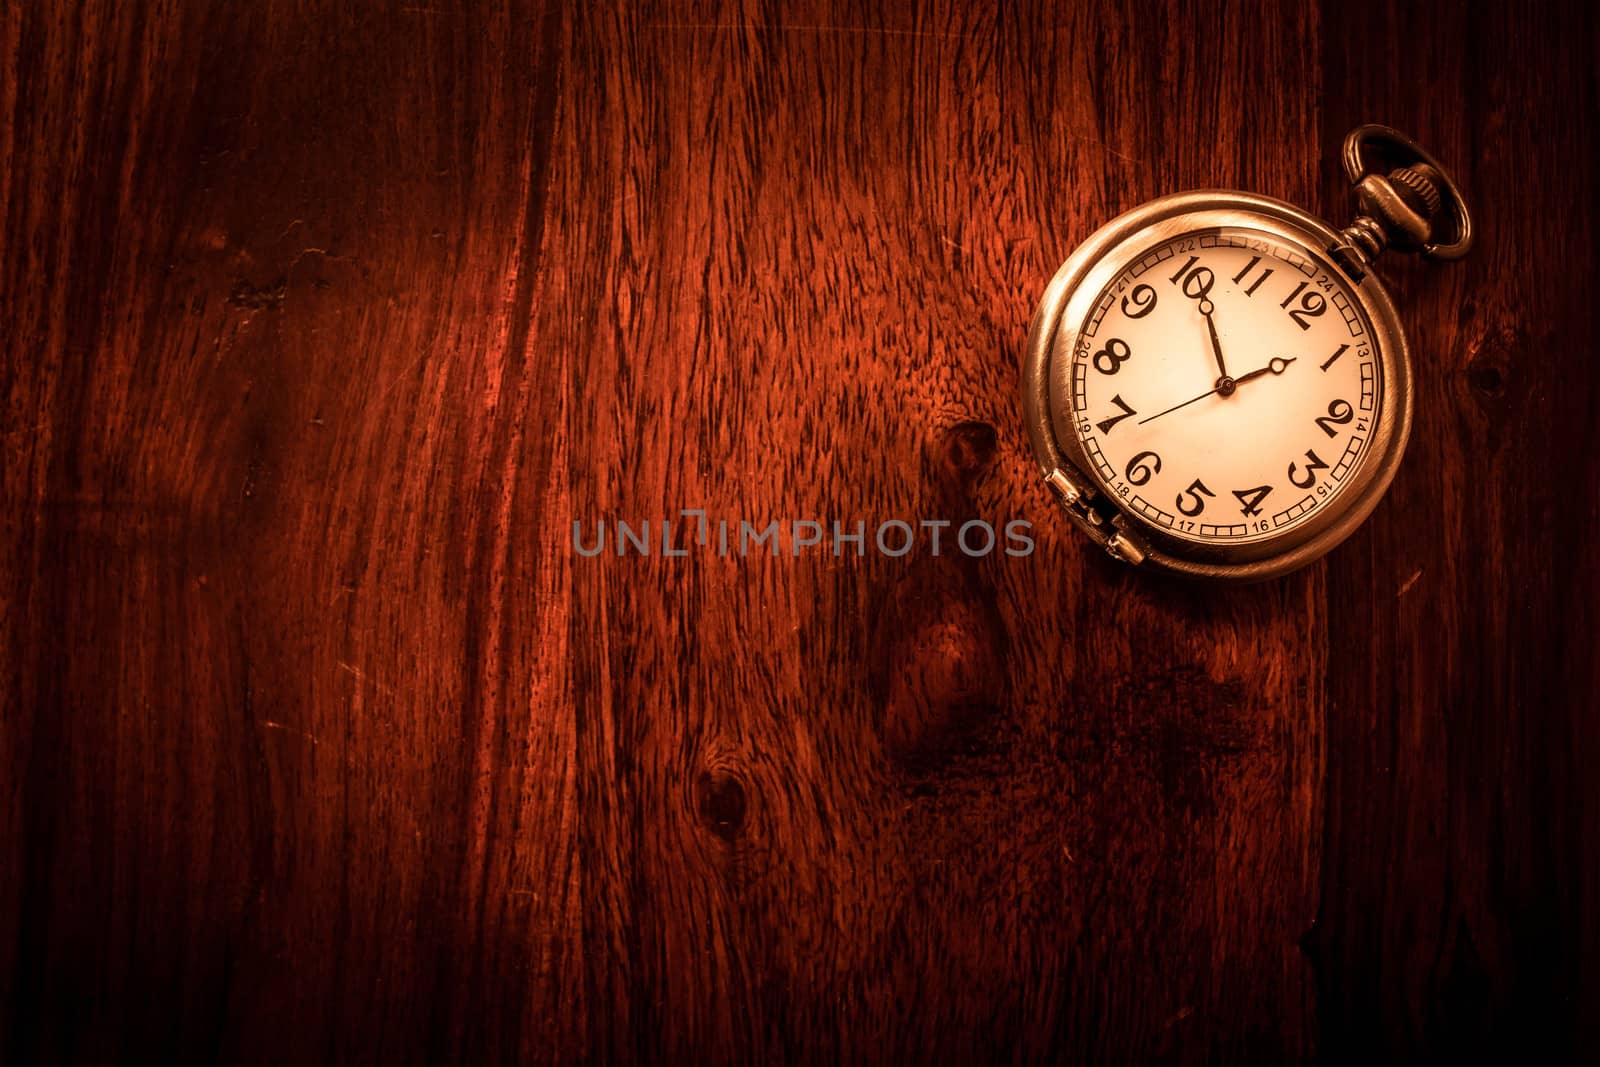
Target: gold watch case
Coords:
[[1048, 396]]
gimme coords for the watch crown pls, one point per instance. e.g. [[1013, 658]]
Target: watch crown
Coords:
[[1399, 205], [1418, 187]]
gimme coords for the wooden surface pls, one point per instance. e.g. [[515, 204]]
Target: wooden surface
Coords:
[[322, 323]]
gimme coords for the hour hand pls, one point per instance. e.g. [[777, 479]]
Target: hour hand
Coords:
[[1277, 365]]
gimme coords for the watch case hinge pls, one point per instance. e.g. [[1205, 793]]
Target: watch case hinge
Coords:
[[1097, 517]]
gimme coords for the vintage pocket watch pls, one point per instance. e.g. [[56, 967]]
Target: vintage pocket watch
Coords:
[[1215, 384]]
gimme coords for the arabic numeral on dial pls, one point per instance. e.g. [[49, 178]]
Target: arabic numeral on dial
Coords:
[[1197, 281], [1331, 360], [1250, 499], [1239, 278], [1139, 471], [1110, 359], [1196, 492], [1312, 304], [1314, 464], [1140, 302], [1339, 413], [1105, 425]]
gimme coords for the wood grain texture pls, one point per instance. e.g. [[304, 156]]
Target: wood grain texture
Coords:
[[324, 322]]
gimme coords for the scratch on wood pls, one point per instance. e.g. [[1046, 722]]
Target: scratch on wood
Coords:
[[405, 375], [304, 252], [250, 297], [1411, 581], [1178, 1017], [1099, 143], [361, 677]]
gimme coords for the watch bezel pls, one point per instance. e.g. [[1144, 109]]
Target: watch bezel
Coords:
[[1048, 396]]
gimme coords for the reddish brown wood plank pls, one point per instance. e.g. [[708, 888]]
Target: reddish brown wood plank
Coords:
[[1461, 867], [290, 742], [819, 245]]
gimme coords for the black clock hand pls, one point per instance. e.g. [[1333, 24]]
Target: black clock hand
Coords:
[[1277, 365], [1175, 407], [1207, 308]]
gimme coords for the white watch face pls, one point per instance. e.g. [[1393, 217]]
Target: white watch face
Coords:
[[1226, 385]]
